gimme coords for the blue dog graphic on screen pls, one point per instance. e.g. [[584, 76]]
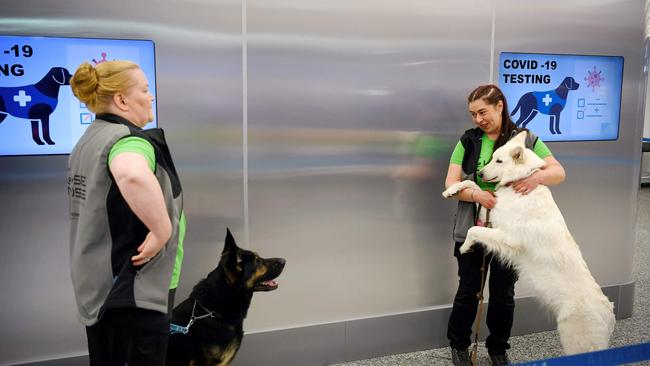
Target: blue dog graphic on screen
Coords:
[[35, 102], [550, 102]]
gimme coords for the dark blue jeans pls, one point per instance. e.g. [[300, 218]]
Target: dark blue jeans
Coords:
[[500, 309]]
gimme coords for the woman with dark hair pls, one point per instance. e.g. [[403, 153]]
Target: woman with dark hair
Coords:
[[489, 111]]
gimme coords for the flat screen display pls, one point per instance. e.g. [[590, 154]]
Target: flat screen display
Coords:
[[563, 97], [39, 115]]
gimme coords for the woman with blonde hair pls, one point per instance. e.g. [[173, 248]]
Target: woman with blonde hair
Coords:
[[127, 224]]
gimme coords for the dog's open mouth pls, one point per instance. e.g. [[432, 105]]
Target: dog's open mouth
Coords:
[[266, 286]]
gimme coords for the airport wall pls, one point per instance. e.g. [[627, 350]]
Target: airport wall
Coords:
[[298, 125]]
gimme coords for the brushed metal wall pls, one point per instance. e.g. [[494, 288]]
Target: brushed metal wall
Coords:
[[339, 92], [199, 98], [599, 198], [340, 95]]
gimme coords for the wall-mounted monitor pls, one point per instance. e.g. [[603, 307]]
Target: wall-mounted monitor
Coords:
[[563, 97], [39, 115]]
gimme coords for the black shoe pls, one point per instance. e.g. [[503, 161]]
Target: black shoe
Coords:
[[460, 358], [500, 360]]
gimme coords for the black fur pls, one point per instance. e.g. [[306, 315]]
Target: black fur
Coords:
[[227, 291]]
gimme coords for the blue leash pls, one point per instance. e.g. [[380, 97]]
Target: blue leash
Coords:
[[179, 329]]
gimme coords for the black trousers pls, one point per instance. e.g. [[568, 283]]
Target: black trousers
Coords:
[[500, 309], [129, 336]]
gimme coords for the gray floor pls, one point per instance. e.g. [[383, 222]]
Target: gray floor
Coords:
[[546, 344]]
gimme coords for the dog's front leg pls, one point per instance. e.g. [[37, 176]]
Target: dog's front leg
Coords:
[[494, 241], [455, 188]]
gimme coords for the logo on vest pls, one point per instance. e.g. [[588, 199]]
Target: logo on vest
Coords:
[[77, 186]]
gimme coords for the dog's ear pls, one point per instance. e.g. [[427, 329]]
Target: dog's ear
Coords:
[[229, 244], [230, 257], [520, 138], [568, 82], [517, 154], [230, 240]]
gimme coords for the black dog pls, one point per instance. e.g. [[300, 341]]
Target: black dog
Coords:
[[549, 102], [35, 102], [218, 304]]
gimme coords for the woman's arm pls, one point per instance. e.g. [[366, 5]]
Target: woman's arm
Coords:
[[143, 194], [551, 174]]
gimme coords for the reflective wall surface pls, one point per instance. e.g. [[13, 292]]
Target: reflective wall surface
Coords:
[[345, 96], [341, 94], [353, 110], [598, 199]]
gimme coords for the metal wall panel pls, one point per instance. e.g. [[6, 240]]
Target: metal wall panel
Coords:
[[645, 158], [598, 199], [199, 98], [339, 93]]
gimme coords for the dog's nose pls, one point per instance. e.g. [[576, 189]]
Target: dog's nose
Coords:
[[278, 262]]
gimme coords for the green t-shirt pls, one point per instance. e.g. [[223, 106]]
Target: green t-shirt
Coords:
[[136, 145], [487, 148]]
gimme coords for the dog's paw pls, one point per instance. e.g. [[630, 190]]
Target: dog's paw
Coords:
[[466, 247], [457, 187], [451, 191], [447, 193]]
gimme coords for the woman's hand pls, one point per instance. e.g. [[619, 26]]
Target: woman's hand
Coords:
[[526, 185], [484, 198], [148, 249], [551, 174]]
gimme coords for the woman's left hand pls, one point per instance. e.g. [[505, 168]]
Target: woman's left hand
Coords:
[[526, 185]]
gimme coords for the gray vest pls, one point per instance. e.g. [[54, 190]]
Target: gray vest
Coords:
[[105, 233]]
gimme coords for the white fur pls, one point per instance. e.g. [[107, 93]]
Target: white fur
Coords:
[[529, 232]]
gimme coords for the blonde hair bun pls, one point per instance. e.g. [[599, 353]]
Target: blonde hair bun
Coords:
[[96, 85], [84, 84]]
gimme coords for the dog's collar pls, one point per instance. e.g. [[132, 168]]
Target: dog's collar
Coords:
[[175, 329]]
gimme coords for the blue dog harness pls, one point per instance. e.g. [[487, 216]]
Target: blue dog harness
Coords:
[[19, 100], [547, 99], [178, 329]]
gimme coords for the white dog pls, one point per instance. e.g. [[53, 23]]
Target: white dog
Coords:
[[529, 233]]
